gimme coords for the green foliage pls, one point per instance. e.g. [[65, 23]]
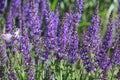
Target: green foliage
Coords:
[[59, 70]]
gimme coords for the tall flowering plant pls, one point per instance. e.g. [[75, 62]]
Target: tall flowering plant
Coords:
[[39, 43]]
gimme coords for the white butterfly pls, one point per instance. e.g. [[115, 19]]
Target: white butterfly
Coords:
[[8, 36]]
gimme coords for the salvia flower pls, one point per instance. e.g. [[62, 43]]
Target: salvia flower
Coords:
[[52, 19], [31, 74], [103, 58], [91, 39], [11, 14], [35, 22], [2, 6], [12, 75], [94, 33], [26, 13], [3, 57], [15, 7], [41, 10], [94, 30], [116, 55], [25, 48], [79, 7], [35, 26], [108, 38], [63, 36], [35, 30], [39, 40], [34, 19], [9, 21], [73, 47], [73, 35], [85, 53], [74, 38]]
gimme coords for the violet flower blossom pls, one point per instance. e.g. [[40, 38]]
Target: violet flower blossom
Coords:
[[2, 6]]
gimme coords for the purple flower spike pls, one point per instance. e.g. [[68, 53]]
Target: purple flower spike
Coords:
[[64, 36], [3, 56], [26, 13], [94, 30], [103, 58], [85, 53], [35, 26], [94, 34], [78, 6], [52, 19], [116, 56], [74, 38], [25, 47], [9, 21], [2, 6], [34, 19], [108, 38], [15, 7], [42, 8], [12, 75], [73, 30], [78, 10], [11, 14], [91, 39], [3, 59]]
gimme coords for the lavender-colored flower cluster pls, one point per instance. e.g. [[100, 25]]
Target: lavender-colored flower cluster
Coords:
[[37, 32], [116, 55], [2, 6]]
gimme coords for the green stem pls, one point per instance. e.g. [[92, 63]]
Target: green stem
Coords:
[[43, 74], [60, 70]]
